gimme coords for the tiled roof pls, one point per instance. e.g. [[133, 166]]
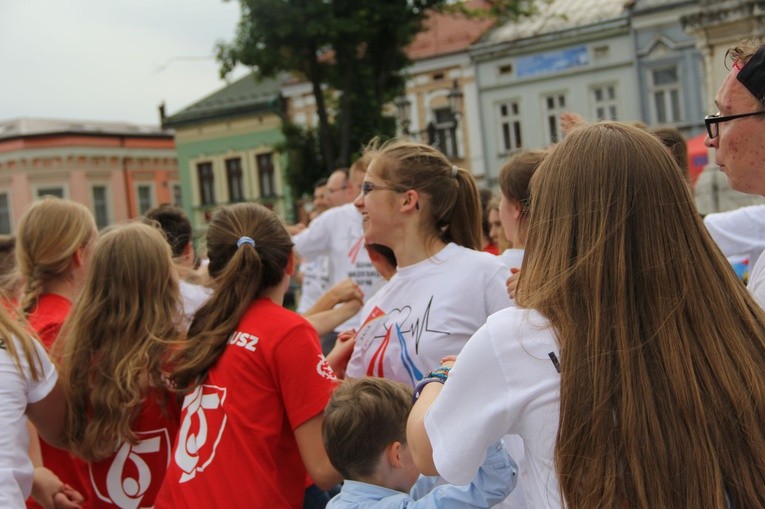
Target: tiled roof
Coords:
[[246, 95], [21, 127], [556, 16], [443, 34]]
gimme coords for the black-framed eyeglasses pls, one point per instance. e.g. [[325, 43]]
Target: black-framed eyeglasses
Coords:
[[712, 120], [368, 187]]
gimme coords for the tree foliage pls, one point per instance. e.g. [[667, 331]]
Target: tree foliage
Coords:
[[352, 52]]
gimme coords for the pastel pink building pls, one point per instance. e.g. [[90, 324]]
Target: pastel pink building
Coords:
[[117, 170]]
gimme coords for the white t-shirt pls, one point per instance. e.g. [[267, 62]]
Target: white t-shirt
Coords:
[[17, 390], [193, 297], [756, 283], [315, 282], [426, 311], [338, 234], [739, 232], [504, 382], [512, 258]]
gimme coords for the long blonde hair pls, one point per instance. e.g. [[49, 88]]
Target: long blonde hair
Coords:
[[11, 328], [49, 233], [240, 274], [662, 349], [115, 342]]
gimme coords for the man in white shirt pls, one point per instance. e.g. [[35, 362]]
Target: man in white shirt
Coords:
[[339, 235], [737, 130]]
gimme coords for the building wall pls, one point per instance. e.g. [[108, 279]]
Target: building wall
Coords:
[[574, 65], [215, 143], [661, 45], [97, 171], [428, 84]]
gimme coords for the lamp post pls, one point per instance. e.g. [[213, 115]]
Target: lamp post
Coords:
[[437, 134]]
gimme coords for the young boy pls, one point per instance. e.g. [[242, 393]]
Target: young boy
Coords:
[[364, 432]]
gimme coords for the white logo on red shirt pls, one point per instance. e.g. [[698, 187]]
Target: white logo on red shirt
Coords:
[[201, 429], [128, 478], [323, 368]]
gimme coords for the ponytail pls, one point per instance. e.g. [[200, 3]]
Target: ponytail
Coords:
[[249, 250], [454, 206]]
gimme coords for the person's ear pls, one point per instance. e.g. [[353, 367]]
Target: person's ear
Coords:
[[393, 454], [187, 255], [516, 209], [290, 269], [78, 257], [411, 201]]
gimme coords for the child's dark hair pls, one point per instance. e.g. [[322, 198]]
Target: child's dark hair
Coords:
[[174, 223], [363, 417], [249, 251]]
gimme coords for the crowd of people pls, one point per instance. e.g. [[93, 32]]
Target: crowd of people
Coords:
[[578, 341]]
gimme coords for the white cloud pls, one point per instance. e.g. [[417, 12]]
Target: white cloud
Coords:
[[109, 59]]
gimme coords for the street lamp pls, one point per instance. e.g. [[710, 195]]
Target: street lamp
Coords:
[[446, 127]]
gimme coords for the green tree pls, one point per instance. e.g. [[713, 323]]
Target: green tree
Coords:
[[353, 52]]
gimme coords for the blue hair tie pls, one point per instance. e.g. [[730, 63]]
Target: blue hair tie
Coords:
[[245, 240]]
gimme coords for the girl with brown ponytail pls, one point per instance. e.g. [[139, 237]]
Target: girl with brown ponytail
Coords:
[[256, 380]]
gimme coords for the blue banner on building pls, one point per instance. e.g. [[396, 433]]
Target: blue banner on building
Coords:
[[552, 62]]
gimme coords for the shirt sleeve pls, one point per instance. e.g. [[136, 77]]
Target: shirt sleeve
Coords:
[[316, 239], [738, 232], [305, 379], [39, 389], [496, 291], [476, 392], [495, 479]]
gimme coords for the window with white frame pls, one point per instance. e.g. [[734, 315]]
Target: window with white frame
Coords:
[[56, 191], [510, 126], [266, 174], [145, 199], [100, 206], [664, 95], [206, 183], [444, 134], [5, 214], [234, 178], [554, 105], [604, 102]]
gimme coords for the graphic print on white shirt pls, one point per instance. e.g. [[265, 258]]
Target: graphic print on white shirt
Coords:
[[397, 325], [426, 311], [201, 429], [129, 476]]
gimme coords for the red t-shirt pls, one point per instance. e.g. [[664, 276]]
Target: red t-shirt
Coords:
[[236, 446], [491, 248], [46, 319], [132, 476]]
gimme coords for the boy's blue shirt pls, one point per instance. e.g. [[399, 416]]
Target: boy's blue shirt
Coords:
[[493, 483]]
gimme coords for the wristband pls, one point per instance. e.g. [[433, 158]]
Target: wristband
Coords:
[[439, 375]]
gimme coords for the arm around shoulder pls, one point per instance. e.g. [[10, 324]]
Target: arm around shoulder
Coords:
[[495, 479]]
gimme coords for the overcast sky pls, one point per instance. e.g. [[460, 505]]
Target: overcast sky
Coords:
[[112, 60]]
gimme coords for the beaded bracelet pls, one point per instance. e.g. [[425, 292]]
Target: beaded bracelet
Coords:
[[437, 375]]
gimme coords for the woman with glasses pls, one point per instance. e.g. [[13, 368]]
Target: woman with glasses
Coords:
[[425, 209]]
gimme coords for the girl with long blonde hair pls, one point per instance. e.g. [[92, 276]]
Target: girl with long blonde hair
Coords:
[[113, 349], [633, 368], [257, 383], [54, 241]]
